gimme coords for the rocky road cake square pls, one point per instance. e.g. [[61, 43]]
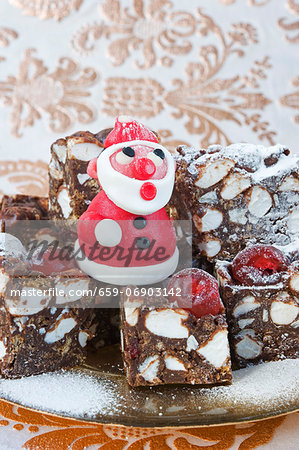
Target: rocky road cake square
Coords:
[[171, 344], [71, 189], [237, 195], [260, 290], [42, 327]]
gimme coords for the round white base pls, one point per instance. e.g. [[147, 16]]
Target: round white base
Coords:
[[123, 276]]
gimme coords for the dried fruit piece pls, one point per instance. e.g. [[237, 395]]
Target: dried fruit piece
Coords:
[[134, 349], [196, 291], [259, 265]]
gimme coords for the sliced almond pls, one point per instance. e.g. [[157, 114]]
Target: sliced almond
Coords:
[[64, 201], [63, 326], [216, 349], [211, 220], [210, 246], [234, 185], [149, 368], [173, 363], [260, 201], [168, 323], [247, 304], [213, 172], [60, 152], [289, 184], [248, 348], [285, 311]]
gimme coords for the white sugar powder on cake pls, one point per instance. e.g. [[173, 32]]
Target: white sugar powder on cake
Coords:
[[267, 388], [68, 393], [275, 384]]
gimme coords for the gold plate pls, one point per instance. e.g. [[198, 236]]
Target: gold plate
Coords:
[[180, 405]]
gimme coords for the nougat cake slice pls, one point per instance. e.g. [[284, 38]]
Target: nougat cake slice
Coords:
[[260, 290], [170, 344], [235, 195]]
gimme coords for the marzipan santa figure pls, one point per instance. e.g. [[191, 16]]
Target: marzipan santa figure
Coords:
[[125, 236]]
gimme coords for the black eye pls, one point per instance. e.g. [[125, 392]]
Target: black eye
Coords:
[[128, 151], [125, 156], [159, 153]]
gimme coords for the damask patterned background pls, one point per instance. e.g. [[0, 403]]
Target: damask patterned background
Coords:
[[199, 71]]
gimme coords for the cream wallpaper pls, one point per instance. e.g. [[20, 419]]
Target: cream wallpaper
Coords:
[[199, 71]]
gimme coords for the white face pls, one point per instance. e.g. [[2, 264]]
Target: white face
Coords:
[[138, 176]]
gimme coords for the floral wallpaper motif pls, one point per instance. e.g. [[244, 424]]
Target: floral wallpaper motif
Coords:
[[205, 98], [258, 2], [25, 177], [289, 25], [153, 27], [168, 140], [142, 97], [47, 9], [6, 36], [251, 2], [292, 100], [59, 95], [200, 84], [206, 101]]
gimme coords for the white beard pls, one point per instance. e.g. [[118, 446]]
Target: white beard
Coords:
[[125, 191]]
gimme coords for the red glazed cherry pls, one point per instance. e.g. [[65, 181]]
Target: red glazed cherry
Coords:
[[259, 265], [144, 168], [51, 261], [148, 191], [196, 291]]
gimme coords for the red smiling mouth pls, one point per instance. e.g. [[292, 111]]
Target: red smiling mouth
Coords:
[[148, 191]]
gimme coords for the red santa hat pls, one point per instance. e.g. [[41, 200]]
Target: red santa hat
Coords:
[[128, 129]]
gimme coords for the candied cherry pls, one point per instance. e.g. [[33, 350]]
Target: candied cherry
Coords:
[[196, 291], [259, 265], [51, 262]]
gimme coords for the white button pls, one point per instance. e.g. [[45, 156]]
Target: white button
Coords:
[[108, 233]]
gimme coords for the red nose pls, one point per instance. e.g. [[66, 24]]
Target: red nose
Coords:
[[144, 169]]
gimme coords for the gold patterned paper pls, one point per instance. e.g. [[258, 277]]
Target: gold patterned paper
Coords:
[[54, 432]]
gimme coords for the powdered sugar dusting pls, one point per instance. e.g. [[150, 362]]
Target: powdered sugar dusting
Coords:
[[273, 384], [262, 390], [248, 156], [70, 393]]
